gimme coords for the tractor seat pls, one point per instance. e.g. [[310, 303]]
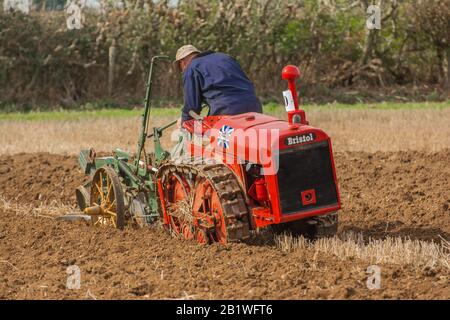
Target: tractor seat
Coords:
[[207, 123]]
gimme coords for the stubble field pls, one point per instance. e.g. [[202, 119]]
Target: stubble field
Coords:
[[393, 168]]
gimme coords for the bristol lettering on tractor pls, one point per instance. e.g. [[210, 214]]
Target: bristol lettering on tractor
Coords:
[[234, 174]]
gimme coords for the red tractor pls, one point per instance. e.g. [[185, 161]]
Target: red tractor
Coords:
[[249, 171], [230, 175]]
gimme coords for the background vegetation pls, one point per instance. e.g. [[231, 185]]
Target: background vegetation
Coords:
[[42, 62]]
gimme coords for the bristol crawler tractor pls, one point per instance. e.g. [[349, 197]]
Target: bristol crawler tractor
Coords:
[[234, 174]]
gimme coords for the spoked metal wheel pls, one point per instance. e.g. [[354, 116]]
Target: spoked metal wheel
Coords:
[[204, 203], [184, 221], [201, 235], [180, 216], [106, 200]]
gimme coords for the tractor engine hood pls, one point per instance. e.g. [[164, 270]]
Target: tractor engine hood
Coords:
[[257, 138]]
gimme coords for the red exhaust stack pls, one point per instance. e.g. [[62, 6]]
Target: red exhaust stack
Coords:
[[290, 73]]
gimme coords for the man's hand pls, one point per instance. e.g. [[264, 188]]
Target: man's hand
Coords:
[[179, 123]]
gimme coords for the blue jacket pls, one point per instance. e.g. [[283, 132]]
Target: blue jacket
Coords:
[[217, 80]]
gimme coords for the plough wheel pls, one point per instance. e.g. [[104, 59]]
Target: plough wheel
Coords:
[[204, 202], [106, 201]]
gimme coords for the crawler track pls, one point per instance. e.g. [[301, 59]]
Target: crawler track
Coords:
[[224, 184]]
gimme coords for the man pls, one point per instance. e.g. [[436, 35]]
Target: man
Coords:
[[215, 79]]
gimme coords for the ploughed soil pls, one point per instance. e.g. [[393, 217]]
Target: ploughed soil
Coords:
[[405, 194]]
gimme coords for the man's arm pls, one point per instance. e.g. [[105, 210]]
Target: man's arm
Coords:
[[192, 93]]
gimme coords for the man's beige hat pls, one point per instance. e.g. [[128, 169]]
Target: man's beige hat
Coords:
[[184, 51]]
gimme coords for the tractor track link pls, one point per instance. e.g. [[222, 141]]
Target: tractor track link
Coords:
[[227, 187]]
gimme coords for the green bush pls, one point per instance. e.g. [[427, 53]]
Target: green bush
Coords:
[[42, 62]]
